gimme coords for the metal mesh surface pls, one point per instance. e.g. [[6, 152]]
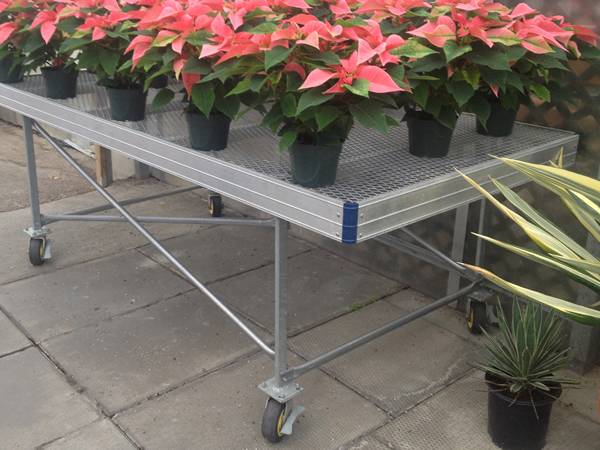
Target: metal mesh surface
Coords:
[[372, 163]]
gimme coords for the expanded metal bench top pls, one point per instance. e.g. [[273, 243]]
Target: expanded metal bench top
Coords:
[[380, 186]]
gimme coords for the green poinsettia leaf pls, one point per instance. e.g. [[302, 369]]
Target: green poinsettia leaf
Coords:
[[452, 50], [203, 98]]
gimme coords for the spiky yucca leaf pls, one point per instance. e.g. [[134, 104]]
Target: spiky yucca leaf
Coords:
[[573, 311], [581, 195]]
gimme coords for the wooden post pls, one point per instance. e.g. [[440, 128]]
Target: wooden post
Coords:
[[104, 174]]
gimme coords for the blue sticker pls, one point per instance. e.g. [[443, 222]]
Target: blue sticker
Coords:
[[350, 223]]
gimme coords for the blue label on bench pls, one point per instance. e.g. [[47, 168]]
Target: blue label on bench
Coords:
[[350, 223]]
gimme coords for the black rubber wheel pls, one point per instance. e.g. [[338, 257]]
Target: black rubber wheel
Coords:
[[215, 205], [37, 248], [476, 317], [273, 420]]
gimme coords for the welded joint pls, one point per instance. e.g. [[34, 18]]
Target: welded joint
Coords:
[[281, 393]]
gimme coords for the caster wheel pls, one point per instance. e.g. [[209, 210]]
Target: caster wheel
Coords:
[[215, 205], [273, 420], [37, 248], [476, 317]]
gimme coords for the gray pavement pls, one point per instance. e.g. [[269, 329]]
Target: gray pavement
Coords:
[[107, 347], [56, 180]]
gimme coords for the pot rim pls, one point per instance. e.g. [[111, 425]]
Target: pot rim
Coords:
[[335, 147], [211, 116], [56, 69], [547, 397], [137, 87]]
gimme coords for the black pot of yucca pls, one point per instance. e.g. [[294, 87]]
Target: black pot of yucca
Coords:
[[521, 374]]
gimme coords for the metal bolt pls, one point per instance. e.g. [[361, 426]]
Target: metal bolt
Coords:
[[337, 234], [338, 214]]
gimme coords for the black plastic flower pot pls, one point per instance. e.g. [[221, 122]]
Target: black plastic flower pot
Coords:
[[501, 121], [426, 136], [127, 104], [60, 83], [314, 165], [9, 73], [520, 424], [208, 133]]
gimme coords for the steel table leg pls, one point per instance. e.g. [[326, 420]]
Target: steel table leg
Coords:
[[280, 414], [39, 248], [281, 228], [458, 246], [478, 311]]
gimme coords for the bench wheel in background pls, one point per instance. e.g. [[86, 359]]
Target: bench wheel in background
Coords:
[[476, 317], [215, 205]]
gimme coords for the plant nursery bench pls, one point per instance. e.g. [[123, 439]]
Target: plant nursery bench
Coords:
[[380, 188]]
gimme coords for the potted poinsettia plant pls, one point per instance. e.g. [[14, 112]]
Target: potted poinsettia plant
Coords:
[[522, 374], [182, 43], [475, 56], [483, 57], [52, 24], [107, 29], [15, 17], [537, 49], [459, 54], [550, 43], [320, 74]]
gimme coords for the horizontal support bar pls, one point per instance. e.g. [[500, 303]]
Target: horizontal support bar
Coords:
[[132, 201], [301, 369], [50, 218], [186, 273]]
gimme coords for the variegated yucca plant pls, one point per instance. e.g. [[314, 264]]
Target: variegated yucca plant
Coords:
[[528, 353], [555, 249]]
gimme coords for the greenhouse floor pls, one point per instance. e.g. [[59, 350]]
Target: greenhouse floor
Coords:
[[104, 347]]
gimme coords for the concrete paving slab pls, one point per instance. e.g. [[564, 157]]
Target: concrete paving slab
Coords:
[[70, 298], [102, 435], [365, 443], [55, 177], [456, 419], [585, 397], [37, 403], [79, 242], [397, 370], [320, 286], [11, 338], [147, 351], [448, 318], [220, 252], [224, 411]]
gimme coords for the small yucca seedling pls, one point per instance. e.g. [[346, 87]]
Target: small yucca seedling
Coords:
[[528, 352]]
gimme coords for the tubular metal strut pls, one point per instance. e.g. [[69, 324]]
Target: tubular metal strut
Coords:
[[133, 221]]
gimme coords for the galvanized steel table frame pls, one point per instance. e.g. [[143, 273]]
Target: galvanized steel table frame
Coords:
[[344, 221]]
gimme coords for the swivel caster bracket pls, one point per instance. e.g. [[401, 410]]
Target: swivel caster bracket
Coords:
[[37, 233], [288, 426], [283, 393]]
